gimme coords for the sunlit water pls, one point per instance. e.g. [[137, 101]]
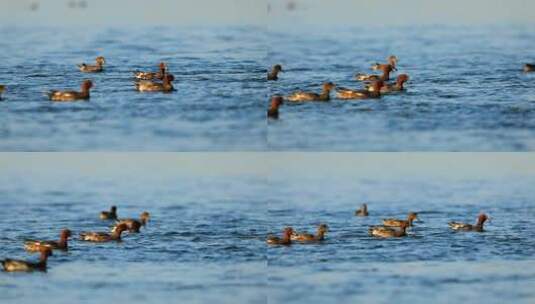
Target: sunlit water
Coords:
[[467, 91], [206, 240], [217, 104]]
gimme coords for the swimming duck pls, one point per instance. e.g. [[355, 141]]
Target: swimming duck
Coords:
[[306, 96], [387, 232], [307, 237], [2, 89], [273, 75], [363, 211], [343, 93], [61, 244], [387, 69], [398, 86], [101, 237], [273, 111], [72, 95], [285, 240], [25, 266], [152, 75], [133, 225], [529, 68], [390, 222], [98, 67], [150, 86], [109, 215], [392, 61], [478, 227]]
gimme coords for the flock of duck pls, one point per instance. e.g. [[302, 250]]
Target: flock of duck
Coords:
[[374, 86], [159, 81], [391, 228], [45, 247]]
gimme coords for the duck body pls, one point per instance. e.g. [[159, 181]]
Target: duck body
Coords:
[[387, 69], [151, 86], [529, 68], [391, 222], [363, 211], [101, 237], [307, 237], [2, 89], [11, 265], [61, 244], [398, 86], [343, 93], [273, 75], [285, 240], [392, 62], [72, 95], [152, 75], [308, 96], [478, 227], [388, 232], [109, 215], [133, 225], [98, 67]]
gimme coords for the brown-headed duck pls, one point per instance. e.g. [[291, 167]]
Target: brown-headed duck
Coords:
[[392, 61], [109, 215], [398, 86], [150, 86], [387, 232], [286, 238], [343, 93], [98, 67], [387, 69], [133, 225], [72, 95], [391, 222], [307, 237], [61, 244], [100, 237], [325, 94], [273, 111], [2, 89], [529, 68], [11, 265], [478, 227], [152, 75], [274, 74], [363, 211]]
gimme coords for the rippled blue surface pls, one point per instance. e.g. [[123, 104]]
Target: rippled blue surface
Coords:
[[218, 104], [467, 91], [206, 240]]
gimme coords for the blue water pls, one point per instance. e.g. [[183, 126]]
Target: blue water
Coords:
[[218, 104], [206, 240], [467, 91]]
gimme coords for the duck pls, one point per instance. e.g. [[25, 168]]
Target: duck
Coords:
[[529, 68], [152, 75], [273, 111], [391, 222], [133, 225], [11, 265], [307, 96], [387, 69], [109, 215], [100, 237], [72, 95], [286, 238], [398, 86], [307, 237], [2, 89], [478, 227], [98, 67], [344, 93], [363, 211], [392, 61], [273, 75], [388, 232], [61, 244], [150, 86]]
